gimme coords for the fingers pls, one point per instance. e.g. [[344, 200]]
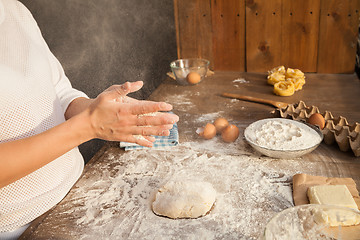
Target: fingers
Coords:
[[159, 118], [142, 138], [144, 107], [136, 86], [163, 130], [150, 138], [145, 113], [145, 141], [148, 120]]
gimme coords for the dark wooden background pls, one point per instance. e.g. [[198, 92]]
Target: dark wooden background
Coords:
[[257, 35]]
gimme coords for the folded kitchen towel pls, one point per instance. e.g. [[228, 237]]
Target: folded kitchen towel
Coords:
[[160, 142]]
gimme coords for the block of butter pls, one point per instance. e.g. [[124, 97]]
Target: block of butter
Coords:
[[338, 195], [331, 194]]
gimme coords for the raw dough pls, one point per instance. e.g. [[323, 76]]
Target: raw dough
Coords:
[[184, 199]]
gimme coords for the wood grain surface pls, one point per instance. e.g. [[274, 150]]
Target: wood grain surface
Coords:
[[300, 31], [228, 22], [263, 35], [194, 30], [257, 35], [339, 21], [196, 105]]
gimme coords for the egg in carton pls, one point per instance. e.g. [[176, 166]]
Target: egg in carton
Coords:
[[337, 129]]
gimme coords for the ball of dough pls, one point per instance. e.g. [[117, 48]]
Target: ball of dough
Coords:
[[184, 199]]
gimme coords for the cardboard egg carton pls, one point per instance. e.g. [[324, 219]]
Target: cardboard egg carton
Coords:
[[337, 129]]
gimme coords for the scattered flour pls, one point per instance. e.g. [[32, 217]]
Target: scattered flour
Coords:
[[151, 114], [210, 117], [181, 101], [115, 200], [240, 80], [282, 134]]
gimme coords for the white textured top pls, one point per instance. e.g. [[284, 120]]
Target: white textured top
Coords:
[[34, 94]]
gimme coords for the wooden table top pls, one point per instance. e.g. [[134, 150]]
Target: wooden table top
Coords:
[[113, 197]]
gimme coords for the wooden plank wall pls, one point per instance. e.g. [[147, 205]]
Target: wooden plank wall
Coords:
[[300, 24], [228, 21], [263, 35], [339, 23], [193, 29], [257, 35]]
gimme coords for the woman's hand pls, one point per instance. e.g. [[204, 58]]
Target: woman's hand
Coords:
[[114, 116]]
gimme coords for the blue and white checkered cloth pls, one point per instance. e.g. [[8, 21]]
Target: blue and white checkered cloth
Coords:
[[160, 141]]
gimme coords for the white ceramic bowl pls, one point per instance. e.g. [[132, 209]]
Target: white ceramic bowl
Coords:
[[276, 153]]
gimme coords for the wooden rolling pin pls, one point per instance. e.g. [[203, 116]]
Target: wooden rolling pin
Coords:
[[257, 100]]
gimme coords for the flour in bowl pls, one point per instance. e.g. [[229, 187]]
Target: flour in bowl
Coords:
[[282, 134]]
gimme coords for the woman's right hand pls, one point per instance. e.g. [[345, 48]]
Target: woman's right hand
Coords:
[[114, 116]]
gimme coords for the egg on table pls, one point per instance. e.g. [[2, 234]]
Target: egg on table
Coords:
[[207, 132], [220, 124], [317, 119], [230, 133]]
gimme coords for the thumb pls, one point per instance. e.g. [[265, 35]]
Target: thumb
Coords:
[[117, 92]]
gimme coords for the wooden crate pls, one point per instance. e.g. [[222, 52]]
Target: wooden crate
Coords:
[[257, 35]]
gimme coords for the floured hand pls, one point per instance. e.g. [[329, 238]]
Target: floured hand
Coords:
[[114, 116]]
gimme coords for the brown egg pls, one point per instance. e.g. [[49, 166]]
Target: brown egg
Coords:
[[220, 124], [193, 78], [209, 131], [317, 119], [230, 133]]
